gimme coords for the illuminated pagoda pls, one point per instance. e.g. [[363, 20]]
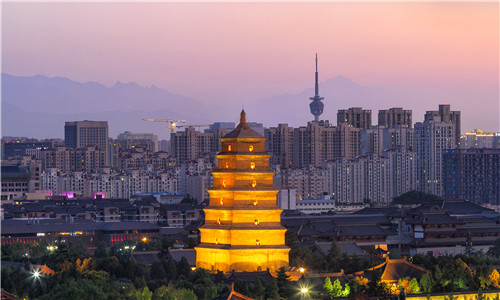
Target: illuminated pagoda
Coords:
[[242, 230]]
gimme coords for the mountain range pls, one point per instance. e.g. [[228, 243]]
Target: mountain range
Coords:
[[38, 106]]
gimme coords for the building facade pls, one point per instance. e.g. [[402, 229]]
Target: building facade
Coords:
[[81, 134], [356, 117], [472, 174], [394, 117]]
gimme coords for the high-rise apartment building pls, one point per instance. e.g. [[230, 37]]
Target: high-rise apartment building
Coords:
[[444, 114], [190, 144], [395, 116], [432, 137], [472, 174], [356, 117], [319, 142], [279, 143], [88, 158], [145, 140], [480, 139], [371, 177], [81, 134]]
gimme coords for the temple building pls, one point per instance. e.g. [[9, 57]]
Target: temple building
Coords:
[[242, 230]]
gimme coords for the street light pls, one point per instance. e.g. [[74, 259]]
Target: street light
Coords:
[[304, 290]]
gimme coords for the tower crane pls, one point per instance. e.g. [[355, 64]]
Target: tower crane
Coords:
[[173, 123], [192, 126]]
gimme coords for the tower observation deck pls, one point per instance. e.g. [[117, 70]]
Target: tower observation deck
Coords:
[[316, 105]]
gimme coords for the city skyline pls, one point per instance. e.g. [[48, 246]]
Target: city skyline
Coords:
[[445, 51]]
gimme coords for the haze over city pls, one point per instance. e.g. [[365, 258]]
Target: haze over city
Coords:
[[257, 55]]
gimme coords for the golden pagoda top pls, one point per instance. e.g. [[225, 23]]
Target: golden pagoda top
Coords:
[[243, 130]]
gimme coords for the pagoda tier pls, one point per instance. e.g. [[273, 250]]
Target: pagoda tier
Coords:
[[242, 230]]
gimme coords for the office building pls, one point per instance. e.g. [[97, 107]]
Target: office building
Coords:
[[145, 140], [472, 174], [81, 134]]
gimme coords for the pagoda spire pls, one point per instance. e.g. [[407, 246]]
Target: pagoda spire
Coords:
[[243, 116]]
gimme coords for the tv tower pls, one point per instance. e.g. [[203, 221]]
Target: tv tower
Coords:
[[316, 105]]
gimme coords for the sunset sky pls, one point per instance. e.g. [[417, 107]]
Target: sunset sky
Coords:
[[250, 51]]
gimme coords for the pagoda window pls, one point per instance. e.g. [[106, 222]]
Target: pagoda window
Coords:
[[229, 148], [221, 202], [257, 242], [254, 183], [255, 202], [256, 221], [218, 221], [216, 242], [224, 183], [227, 165], [252, 165], [250, 148]]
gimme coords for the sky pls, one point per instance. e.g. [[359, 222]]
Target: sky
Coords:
[[220, 52]]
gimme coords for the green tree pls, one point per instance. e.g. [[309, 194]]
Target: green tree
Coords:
[[259, 291], [272, 291], [337, 289], [157, 271], [101, 251], [188, 295], [283, 283], [327, 286], [495, 249], [426, 282], [346, 292], [144, 294], [241, 287], [414, 287]]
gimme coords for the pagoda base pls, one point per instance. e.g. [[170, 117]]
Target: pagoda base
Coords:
[[241, 258]]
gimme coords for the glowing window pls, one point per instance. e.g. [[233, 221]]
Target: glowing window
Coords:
[[252, 165], [254, 183], [216, 242], [218, 221], [221, 202], [250, 148], [224, 183], [255, 202], [256, 221], [229, 148], [257, 242], [227, 165]]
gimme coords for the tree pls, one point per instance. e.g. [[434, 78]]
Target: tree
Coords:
[[337, 289], [327, 286], [188, 295], [333, 257], [346, 292], [259, 290], [283, 283], [495, 279], [426, 283], [495, 249], [415, 197], [272, 291], [101, 251], [241, 287], [414, 287], [157, 271]]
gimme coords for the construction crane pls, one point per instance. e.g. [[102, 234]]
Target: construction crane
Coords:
[[192, 126], [173, 123]]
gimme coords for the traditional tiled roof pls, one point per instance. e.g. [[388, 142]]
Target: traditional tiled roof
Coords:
[[243, 130], [348, 247], [232, 295], [178, 254], [393, 270], [146, 257]]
